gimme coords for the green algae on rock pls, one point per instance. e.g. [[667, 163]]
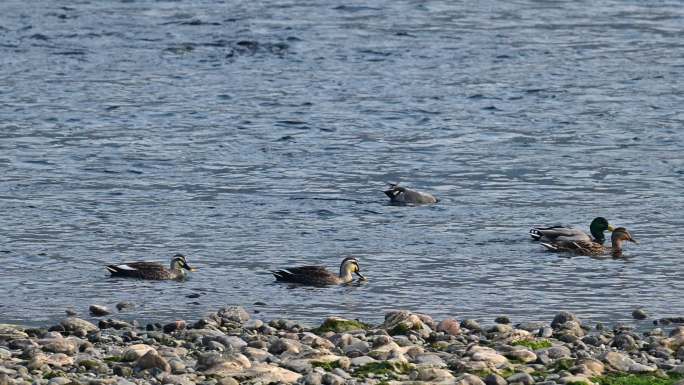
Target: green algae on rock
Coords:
[[636, 379], [386, 368], [339, 325], [533, 344]]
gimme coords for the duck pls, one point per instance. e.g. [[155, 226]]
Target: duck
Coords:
[[403, 195], [619, 236], [559, 233], [319, 275], [152, 270]]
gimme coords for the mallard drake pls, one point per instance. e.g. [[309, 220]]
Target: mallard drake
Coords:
[[152, 270], [403, 195], [319, 275], [555, 234], [619, 235]]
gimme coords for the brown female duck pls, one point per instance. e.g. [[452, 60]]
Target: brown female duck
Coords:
[[319, 275], [619, 236], [152, 270]]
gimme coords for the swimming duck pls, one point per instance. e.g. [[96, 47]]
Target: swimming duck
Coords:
[[403, 195], [567, 233], [319, 275], [619, 235], [152, 270]]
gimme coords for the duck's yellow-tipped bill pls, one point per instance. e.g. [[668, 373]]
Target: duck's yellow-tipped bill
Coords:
[[611, 227]]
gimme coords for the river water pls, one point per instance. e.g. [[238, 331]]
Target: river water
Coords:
[[259, 135]]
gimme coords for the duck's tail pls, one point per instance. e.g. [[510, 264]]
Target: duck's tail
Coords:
[[282, 275]]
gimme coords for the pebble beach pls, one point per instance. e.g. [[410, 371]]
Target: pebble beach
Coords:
[[231, 346]]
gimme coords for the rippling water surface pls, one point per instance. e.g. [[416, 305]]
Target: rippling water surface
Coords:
[[257, 135]]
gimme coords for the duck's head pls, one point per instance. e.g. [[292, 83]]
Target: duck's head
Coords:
[[351, 265], [178, 263], [394, 190], [598, 226], [620, 235]]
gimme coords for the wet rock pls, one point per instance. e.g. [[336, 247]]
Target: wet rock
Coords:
[[339, 325], [71, 312], [253, 324], [227, 381], [558, 351], [495, 379], [502, 320], [313, 378], [10, 332], [500, 329], [402, 322], [564, 317], [362, 360], [521, 378], [78, 326], [523, 355], [134, 352], [639, 314], [285, 345], [270, 374], [152, 360], [531, 327], [174, 326], [468, 379], [617, 361], [545, 332], [449, 326], [471, 324], [333, 379], [224, 364], [177, 366], [38, 360], [122, 371], [481, 353], [574, 380], [594, 366], [59, 381], [125, 306], [429, 359], [235, 314], [98, 310], [431, 374], [59, 345], [624, 342]]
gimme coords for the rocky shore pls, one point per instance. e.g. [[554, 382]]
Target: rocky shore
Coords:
[[229, 347]]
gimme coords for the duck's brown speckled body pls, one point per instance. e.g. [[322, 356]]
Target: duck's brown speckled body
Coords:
[[319, 275], [619, 235], [152, 270]]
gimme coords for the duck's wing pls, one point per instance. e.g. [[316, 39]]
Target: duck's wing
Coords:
[[418, 197], [311, 275], [136, 269], [559, 234], [577, 247]]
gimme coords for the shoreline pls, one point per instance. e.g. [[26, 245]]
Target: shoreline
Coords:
[[230, 346]]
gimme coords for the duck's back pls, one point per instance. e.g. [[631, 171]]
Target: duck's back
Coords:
[[308, 275], [143, 270]]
